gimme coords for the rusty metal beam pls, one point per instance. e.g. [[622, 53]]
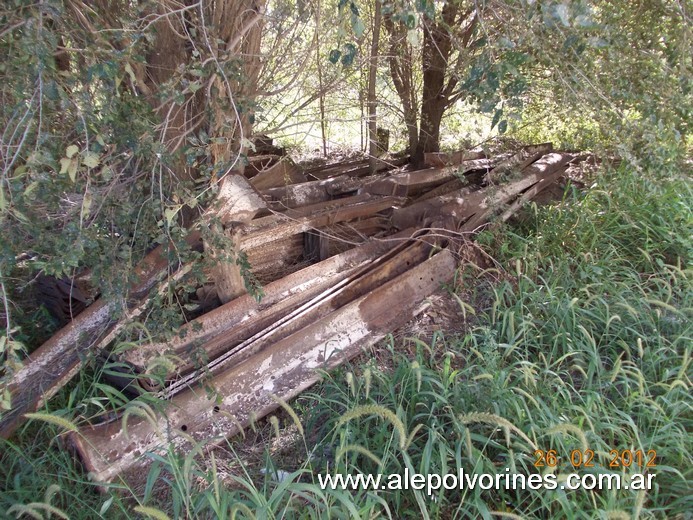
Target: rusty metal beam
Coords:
[[284, 319], [244, 316], [448, 159], [58, 360], [518, 161], [461, 205], [508, 211], [356, 168], [279, 174], [409, 184], [312, 192], [250, 390], [267, 229]]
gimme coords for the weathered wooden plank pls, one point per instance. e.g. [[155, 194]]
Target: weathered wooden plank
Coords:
[[57, 361], [409, 184], [461, 205], [518, 162], [448, 159], [251, 389], [280, 174]]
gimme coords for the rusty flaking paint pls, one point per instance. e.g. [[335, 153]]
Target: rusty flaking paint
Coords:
[[283, 369], [244, 316], [55, 362], [282, 324]]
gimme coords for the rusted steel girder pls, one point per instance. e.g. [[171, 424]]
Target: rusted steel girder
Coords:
[[250, 390], [282, 322], [409, 184], [355, 168], [498, 202], [274, 227], [312, 192], [57, 361], [279, 174], [448, 159], [241, 318], [518, 161], [460, 206]]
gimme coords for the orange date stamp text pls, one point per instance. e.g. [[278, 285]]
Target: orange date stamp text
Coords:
[[585, 458]]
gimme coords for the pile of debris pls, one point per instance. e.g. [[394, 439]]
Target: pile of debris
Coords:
[[346, 255]]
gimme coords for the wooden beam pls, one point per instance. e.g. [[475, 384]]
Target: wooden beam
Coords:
[[449, 159]]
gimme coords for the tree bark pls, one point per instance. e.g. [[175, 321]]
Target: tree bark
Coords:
[[164, 70], [372, 101], [401, 72], [436, 52]]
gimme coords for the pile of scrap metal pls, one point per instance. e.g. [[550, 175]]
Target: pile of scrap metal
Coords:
[[347, 256]]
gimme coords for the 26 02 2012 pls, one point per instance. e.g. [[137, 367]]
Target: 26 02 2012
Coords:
[[585, 458]]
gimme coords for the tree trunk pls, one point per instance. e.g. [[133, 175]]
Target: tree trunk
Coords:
[[429, 133], [239, 33], [372, 101], [401, 72], [437, 47], [318, 62], [164, 60]]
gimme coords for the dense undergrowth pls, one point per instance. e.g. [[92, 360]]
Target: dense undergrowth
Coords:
[[586, 346]]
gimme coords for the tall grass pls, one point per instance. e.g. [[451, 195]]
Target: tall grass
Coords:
[[586, 345]]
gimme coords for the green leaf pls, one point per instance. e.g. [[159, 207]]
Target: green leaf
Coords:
[[72, 169], [170, 214], [496, 118], [358, 26], [502, 126], [64, 165], [90, 159], [106, 506], [349, 54], [131, 73], [86, 204], [71, 151], [335, 54], [30, 188], [410, 20]]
